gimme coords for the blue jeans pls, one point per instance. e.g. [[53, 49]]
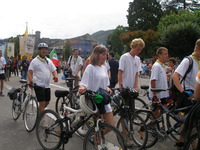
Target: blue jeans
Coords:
[[24, 74]]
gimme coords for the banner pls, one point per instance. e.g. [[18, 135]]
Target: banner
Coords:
[[54, 58], [3, 48], [10, 49], [29, 45]]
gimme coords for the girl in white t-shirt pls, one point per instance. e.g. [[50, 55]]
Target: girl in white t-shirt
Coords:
[[95, 76]]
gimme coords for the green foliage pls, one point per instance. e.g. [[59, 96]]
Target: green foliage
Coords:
[[144, 15], [150, 38], [114, 42], [67, 51], [179, 32], [180, 38]]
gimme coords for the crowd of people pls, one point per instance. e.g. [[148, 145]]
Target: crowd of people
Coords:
[[102, 70]]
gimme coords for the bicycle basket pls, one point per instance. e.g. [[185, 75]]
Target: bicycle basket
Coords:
[[12, 94], [87, 105]]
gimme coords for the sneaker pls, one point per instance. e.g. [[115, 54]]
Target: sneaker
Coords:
[[1, 94], [128, 142], [43, 123]]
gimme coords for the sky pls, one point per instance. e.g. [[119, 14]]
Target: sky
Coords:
[[61, 19]]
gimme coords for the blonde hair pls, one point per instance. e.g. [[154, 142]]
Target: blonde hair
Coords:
[[136, 42], [99, 49]]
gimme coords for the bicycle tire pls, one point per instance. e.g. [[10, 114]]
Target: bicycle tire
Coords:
[[111, 140], [82, 131], [31, 114], [60, 105], [152, 126], [49, 136], [140, 104], [191, 144], [174, 134], [16, 108], [139, 134]]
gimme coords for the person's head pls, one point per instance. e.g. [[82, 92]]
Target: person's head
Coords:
[[75, 52], [172, 62], [162, 54], [111, 54], [99, 55], [137, 45], [42, 49], [24, 57]]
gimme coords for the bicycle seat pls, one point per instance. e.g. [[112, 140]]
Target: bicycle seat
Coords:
[[144, 87], [59, 93], [157, 90]]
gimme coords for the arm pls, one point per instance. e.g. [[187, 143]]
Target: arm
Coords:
[[120, 78], [196, 92], [153, 85], [176, 81], [30, 76], [82, 89], [136, 82], [54, 73], [78, 69]]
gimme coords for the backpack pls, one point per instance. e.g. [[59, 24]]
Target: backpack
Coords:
[[173, 88]]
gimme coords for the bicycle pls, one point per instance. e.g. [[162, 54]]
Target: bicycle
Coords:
[[68, 98], [26, 104], [130, 123], [59, 130], [170, 121], [193, 142]]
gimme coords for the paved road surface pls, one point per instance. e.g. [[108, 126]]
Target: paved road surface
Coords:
[[13, 135]]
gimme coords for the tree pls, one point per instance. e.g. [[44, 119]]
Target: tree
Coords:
[[114, 42], [150, 38], [181, 4], [67, 51], [179, 32], [180, 38], [144, 15]]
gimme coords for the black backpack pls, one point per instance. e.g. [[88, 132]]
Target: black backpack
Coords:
[[173, 88]]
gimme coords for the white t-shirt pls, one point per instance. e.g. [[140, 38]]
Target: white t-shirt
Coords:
[[74, 63], [95, 77], [2, 62], [189, 82], [42, 72], [130, 66], [158, 73]]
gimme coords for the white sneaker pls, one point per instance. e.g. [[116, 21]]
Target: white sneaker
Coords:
[[128, 142], [43, 123]]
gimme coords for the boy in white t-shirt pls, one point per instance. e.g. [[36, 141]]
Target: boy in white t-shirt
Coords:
[[129, 67], [158, 78]]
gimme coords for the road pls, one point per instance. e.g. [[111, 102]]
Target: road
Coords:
[[13, 135]]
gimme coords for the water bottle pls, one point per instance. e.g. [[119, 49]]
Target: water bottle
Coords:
[[77, 121]]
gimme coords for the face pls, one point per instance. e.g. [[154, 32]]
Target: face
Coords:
[[137, 50], [164, 56], [43, 52], [171, 64], [102, 57], [75, 52]]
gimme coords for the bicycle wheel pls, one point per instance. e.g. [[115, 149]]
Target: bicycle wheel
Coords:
[[16, 108], [192, 143], [85, 127], [152, 126], [170, 123], [137, 132], [140, 104], [98, 139], [60, 102], [30, 114], [48, 130]]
